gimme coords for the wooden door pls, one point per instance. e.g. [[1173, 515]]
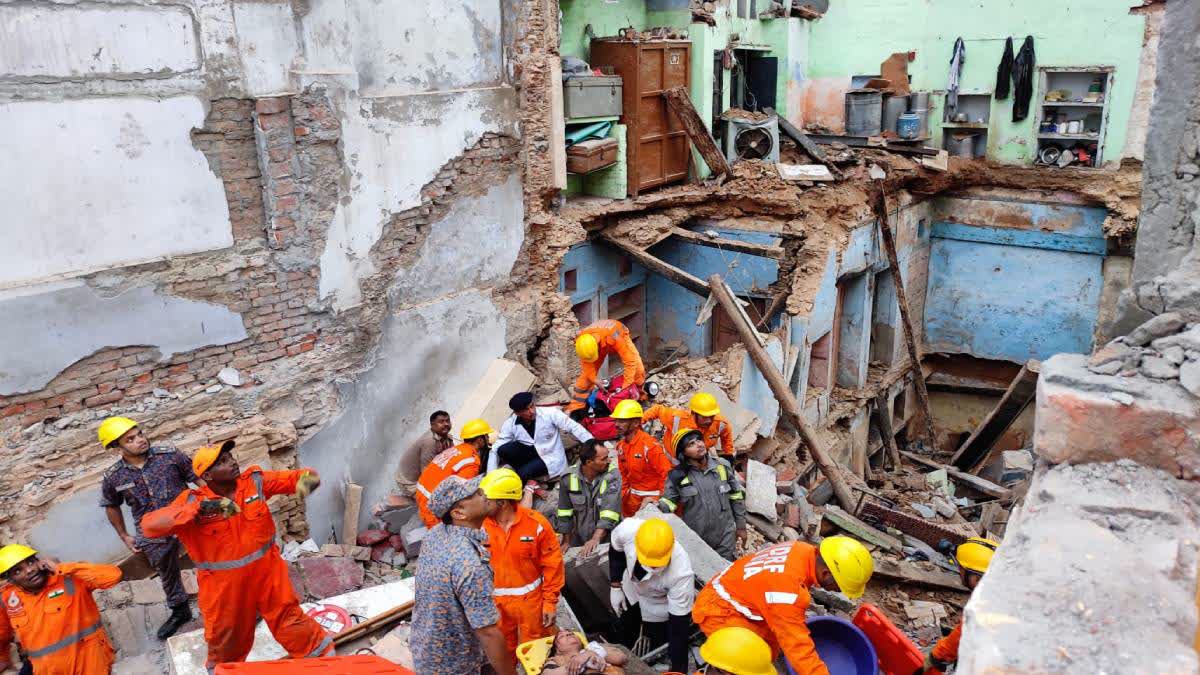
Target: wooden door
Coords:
[[725, 332], [663, 148]]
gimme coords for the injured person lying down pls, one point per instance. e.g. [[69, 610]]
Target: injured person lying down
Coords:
[[569, 655]]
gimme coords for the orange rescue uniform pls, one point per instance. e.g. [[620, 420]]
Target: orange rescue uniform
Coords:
[[767, 592], [644, 466], [719, 430], [527, 565], [239, 569], [611, 336], [462, 460], [59, 627], [946, 649]]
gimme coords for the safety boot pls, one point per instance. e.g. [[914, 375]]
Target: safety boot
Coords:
[[179, 616]]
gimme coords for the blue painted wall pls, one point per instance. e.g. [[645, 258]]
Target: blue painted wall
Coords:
[[673, 308], [1014, 281], [597, 275]]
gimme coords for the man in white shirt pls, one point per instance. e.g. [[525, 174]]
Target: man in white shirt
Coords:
[[529, 441], [653, 587]]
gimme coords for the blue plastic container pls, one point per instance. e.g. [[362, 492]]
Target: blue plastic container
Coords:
[[909, 125], [842, 646]]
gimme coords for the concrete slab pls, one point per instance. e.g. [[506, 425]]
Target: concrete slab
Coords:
[[755, 394], [760, 490], [489, 399], [187, 651]]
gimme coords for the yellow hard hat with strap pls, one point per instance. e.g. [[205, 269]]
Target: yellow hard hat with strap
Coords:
[[655, 540], [12, 554], [739, 651], [586, 347], [975, 554], [502, 484], [628, 409], [681, 436], [113, 428], [704, 404], [850, 562], [476, 428]]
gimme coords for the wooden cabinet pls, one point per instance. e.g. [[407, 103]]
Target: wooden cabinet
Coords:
[[658, 149]]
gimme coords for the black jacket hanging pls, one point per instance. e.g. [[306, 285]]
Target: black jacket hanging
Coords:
[[1023, 80], [1004, 72]]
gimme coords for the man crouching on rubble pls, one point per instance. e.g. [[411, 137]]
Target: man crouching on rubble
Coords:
[[973, 557], [229, 533]]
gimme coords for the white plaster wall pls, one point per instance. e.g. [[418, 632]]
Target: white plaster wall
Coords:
[[97, 183], [268, 45], [47, 328], [53, 41]]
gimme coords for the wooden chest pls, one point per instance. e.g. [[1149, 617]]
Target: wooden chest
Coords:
[[591, 155]]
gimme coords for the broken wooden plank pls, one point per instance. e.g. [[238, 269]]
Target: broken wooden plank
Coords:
[[734, 245], [558, 126], [974, 451], [887, 431], [862, 142], [353, 498], [661, 268], [972, 481], [779, 387], [860, 530], [909, 573], [681, 104], [802, 139], [910, 340], [777, 303]]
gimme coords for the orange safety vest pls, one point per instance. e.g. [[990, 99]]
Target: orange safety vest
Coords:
[[526, 558], [462, 460], [59, 627], [768, 590], [611, 336], [644, 466], [719, 430]]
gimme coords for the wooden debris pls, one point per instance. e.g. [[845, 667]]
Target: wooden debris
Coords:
[[940, 162], [974, 451], [679, 103], [909, 573], [860, 530], [373, 624], [802, 139], [664, 269], [887, 431], [734, 245], [972, 481], [353, 493]]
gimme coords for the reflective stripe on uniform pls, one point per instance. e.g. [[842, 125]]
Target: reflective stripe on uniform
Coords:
[[780, 598], [574, 483], [645, 493], [423, 491], [520, 590], [670, 504], [461, 463], [63, 643], [687, 480], [737, 496], [674, 428], [604, 486], [566, 513], [742, 609], [69, 585], [256, 478], [235, 564], [610, 515], [721, 472], [320, 649]]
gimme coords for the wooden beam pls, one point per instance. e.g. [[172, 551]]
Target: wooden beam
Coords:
[[806, 144], [777, 304], [910, 340], [779, 387], [734, 245], [681, 104], [972, 481], [354, 493], [975, 450], [558, 125], [373, 624], [883, 420], [663, 269], [909, 573]]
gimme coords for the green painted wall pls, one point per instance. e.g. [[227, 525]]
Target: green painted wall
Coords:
[[605, 16], [854, 37]]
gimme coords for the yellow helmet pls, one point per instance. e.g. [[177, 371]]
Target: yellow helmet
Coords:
[[628, 409], [850, 563], [654, 542], [739, 651], [586, 347], [502, 484], [12, 554], [679, 438], [476, 428], [704, 404], [113, 428], [975, 554]]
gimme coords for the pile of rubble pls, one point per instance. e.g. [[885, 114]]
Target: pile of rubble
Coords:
[[131, 613], [1163, 348]]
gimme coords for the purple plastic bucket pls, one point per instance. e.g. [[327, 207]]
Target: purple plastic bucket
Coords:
[[842, 646]]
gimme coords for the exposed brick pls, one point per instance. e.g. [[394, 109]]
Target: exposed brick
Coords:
[[103, 399], [267, 106]]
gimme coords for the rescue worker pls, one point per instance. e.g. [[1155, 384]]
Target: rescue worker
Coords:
[[643, 463], [589, 500], [462, 460], [703, 415], [767, 592], [593, 345], [531, 439], [227, 529], [418, 455], [147, 478], [973, 557], [48, 607], [652, 587], [707, 494], [736, 651], [455, 626], [526, 561]]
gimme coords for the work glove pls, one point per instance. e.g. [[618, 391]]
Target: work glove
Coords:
[[616, 598], [307, 483], [223, 506]]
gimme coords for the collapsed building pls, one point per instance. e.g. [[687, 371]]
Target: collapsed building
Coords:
[[307, 225]]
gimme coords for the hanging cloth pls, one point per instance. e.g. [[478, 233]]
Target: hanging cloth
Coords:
[[956, 65], [1005, 71], [1022, 78]]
